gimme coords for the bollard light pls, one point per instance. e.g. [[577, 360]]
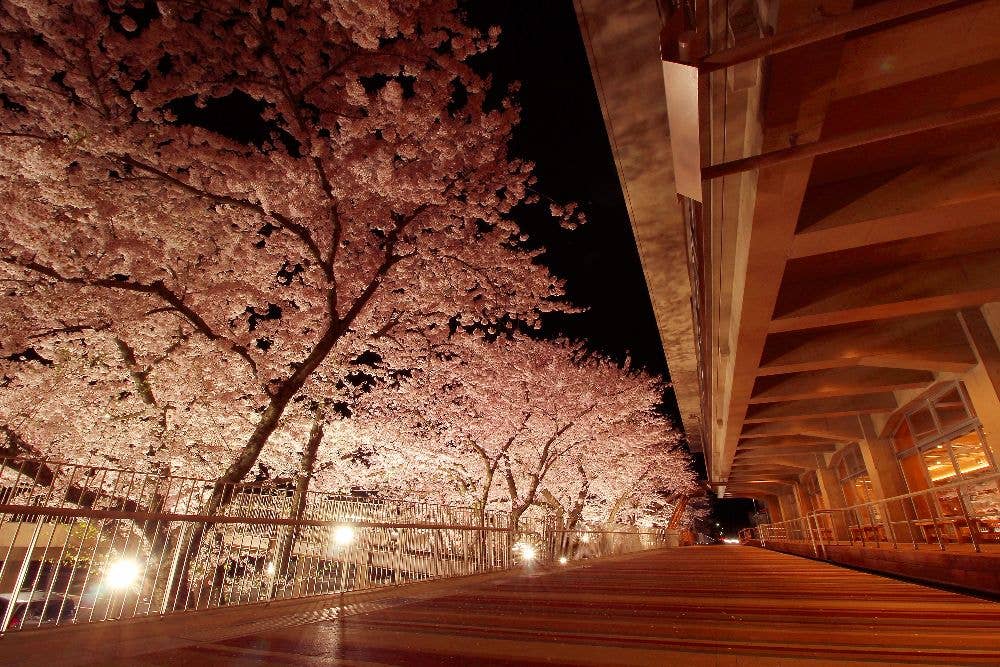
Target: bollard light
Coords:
[[343, 536], [563, 560], [122, 573]]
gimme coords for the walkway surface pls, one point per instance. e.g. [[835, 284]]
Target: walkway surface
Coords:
[[694, 606]]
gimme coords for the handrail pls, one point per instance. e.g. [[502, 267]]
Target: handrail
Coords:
[[944, 487], [82, 543], [944, 516]]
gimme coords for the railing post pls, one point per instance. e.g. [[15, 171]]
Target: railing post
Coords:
[[887, 520], [173, 569], [819, 536], [935, 511], [973, 529], [21, 573]]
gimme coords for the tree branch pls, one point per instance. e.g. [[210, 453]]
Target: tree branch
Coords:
[[156, 288], [284, 222], [140, 377]]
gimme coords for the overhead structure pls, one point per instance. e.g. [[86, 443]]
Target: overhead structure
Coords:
[[826, 213]]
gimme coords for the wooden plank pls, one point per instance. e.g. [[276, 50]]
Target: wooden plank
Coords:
[[696, 606]]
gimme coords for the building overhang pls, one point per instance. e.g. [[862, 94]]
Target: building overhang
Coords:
[[622, 43]]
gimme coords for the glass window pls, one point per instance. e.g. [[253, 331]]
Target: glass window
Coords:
[[921, 423], [950, 449], [951, 410], [810, 487], [854, 479], [859, 490], [914, 472], [937, 459], [941, 447], [971, 457]]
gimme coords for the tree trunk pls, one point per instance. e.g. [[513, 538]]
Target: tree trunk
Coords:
[[515, 516], [481, 540], [675, 518], [307, 464], [576, 512], [222, 492]]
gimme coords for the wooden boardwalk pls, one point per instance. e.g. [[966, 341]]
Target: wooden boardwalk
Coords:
[[692, 606]]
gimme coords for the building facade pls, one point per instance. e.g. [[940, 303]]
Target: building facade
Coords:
[[815, 193]]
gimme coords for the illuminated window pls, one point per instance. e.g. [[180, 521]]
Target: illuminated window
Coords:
[[939, 441], [854, 479]]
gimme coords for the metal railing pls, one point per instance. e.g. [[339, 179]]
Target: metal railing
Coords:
[[563, 546], [960, 516], [80, 543]]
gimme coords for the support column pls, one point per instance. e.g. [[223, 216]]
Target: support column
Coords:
[[880, 461], [800, 499], [789, 508], [833, 499], [773, 508], [983, 382], [887, 480]]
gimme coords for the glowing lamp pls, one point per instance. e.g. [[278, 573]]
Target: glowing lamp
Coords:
[[343, 536], [563, 560], [122, 574]]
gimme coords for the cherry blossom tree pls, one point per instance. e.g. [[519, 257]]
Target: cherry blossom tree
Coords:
[[230, 204], [525, 422], [633, 474]]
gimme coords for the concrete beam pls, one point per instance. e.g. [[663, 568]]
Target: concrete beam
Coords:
[[622, 43], [837, 382], [933, 342], [947, 283], [840, 406], [796, 106], [843, 429]]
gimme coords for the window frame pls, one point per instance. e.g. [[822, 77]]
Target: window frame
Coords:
[[941, 436], [854, 467]]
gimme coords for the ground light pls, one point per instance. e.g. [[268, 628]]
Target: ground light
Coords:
[[122, 573], [343, 536], [525, 550], [563, 560]]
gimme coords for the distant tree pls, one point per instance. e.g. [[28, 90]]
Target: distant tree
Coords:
[[228, 209], [525, 422], [634, 474]]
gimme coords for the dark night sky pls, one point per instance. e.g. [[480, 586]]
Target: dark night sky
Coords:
[[562, 130]]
